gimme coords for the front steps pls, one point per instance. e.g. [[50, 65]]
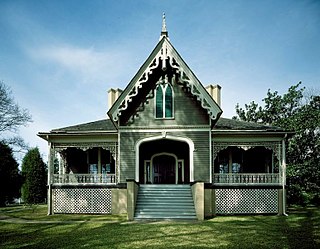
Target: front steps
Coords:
[[164, 201]]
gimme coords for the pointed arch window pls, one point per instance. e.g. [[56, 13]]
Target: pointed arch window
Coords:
[[164, 101]]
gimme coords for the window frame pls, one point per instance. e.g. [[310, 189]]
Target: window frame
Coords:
[[164, 87]]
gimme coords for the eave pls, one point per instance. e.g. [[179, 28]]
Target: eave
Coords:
[[47, 135]]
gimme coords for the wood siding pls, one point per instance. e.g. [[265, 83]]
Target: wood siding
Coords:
[[187, 111], [201, 156]]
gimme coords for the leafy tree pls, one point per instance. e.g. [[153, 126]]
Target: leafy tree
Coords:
[[294, 112], [12, 116], [10, 179], [34, 174]]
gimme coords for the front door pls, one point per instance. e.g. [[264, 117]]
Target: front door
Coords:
[[164, 169]]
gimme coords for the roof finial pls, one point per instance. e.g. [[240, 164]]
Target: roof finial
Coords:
[[164, 31]]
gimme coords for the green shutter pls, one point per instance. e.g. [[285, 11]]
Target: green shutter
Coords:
[[159, 102], [168, 102]]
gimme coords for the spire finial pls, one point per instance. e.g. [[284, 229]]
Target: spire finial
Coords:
[[164, 31], [164, 26]]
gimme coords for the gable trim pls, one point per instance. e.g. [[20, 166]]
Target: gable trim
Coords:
[[164, 52]]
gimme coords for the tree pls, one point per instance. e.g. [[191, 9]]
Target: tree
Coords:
[[34, 175], [294, 112], [10, 179], [12, 116]]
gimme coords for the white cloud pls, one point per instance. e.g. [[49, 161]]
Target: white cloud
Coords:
[[85, 63]]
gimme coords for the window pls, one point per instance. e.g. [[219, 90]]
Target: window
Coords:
[[100, 161], [229, 160], [164, 101]]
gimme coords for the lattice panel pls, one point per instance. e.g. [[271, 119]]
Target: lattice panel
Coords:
[[82, 200], [246, 201]]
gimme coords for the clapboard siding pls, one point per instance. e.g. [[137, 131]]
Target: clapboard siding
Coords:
[[128, 141], [187, 111], [201, 156]]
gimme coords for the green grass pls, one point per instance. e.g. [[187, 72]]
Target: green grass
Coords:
[[299, 230]]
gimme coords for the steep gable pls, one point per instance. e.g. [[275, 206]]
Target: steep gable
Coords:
[[163, 64]]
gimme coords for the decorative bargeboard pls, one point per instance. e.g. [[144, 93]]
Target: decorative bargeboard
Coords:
[[81, 200], [246, 201]]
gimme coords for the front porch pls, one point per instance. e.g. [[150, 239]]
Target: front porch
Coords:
[[240, 163]]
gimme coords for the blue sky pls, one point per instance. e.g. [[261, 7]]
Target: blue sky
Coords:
[[60, 57]]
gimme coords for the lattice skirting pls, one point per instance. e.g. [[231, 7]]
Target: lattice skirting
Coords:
[[82, 200], [246, 201]]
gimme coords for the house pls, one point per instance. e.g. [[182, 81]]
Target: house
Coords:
[[165, 152]]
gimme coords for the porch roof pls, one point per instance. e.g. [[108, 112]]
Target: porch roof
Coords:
[[231, 124], [99, 125], [223, 124], [95, 127]]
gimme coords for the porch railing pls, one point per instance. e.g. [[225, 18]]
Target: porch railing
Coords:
[[242, 178], [83, 179]]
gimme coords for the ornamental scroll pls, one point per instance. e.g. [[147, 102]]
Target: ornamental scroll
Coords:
[[165, 55], [112, 147], [274, 146]]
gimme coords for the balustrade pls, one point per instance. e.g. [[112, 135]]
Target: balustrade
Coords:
[[242, 178], [83, 179]]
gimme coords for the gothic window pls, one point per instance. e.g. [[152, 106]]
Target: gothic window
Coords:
[[164, 101]]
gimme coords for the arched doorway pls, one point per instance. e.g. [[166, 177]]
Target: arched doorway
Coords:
[[165, 161]]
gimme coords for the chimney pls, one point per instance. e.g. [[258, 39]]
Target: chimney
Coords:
[[113, 95], [215, 92]]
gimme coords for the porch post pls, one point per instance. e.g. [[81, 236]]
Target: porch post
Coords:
[[50, 167], [210, 155], [283, 166], [99, 161]]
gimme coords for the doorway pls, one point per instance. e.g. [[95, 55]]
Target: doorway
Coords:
[[164, 168], [164, 161]]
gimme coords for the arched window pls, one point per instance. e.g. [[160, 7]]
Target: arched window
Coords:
[[164, 101]]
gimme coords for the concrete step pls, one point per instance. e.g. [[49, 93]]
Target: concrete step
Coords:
[[165, 201]]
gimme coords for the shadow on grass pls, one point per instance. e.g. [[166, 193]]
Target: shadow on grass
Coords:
[[299, 230], [302, 227]]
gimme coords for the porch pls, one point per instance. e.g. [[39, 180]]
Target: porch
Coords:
[[249, 163]]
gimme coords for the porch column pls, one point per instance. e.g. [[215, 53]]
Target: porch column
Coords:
[[50, 169], [283, 166], [117, 161], [63, 156], [114, 154], [99, 161]]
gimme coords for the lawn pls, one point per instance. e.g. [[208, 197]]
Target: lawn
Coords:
[[18, 230]]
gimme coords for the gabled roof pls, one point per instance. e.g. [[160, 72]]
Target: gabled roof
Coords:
[[162, 54]]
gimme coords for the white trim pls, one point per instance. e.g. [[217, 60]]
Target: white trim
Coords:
[[182, 171], [163, 51], [118, 160], [50, 165], [157, 130], [170, 137], [210, 159], [283, 166], [145, 173], [163, 84]]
